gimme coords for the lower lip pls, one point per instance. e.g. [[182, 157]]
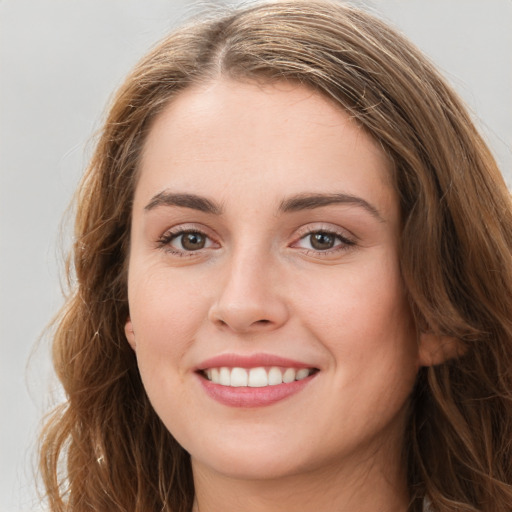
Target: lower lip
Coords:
[[253, 397]]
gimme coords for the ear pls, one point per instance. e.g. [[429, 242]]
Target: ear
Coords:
[[128, 331], [436, 349]]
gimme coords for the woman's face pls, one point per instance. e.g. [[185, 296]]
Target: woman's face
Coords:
[[267, 311]]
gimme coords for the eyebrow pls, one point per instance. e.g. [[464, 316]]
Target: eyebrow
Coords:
[[311, 201], [192, 201], [295, 203]]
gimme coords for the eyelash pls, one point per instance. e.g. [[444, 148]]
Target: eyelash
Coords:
[[344, 243], [164, 242]]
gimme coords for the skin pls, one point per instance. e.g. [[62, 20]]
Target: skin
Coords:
[[258, 285]]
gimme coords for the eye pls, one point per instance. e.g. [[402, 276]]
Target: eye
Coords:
[[191, 241], [185, 241], [324, 241]]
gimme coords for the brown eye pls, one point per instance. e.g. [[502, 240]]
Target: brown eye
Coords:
[[192, 241], [180, 242], [322, 241]]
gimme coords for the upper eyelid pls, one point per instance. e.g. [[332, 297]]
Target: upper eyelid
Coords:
[[342, 238], [166, 240], [188, 227], [173, 232], [296, 235], [326, 228]]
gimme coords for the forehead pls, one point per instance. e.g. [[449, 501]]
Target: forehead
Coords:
[[240, 105], [231, 137]]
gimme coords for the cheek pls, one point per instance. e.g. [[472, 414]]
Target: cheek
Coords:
[[166, 315], [363, 319], [368, 303]]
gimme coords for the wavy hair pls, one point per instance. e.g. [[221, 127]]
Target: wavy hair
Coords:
[[105, 449]]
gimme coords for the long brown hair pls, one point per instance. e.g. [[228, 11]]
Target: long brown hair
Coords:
[[455, 258]]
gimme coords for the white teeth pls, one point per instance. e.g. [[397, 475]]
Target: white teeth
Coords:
[[275, 376], [225, 377], [289, 375], [258, 378], [238, 377], [302, 374], [255, 377]]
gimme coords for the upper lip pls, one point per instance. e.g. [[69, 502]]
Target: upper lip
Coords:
[[250, 361]]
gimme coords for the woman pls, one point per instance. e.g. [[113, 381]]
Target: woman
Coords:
[[293, 282]]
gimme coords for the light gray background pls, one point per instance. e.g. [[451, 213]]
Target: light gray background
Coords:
[[59, 62]]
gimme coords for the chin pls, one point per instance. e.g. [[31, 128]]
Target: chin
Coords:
[[260, 466], [255, 457]]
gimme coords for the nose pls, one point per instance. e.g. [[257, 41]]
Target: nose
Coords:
[[250, 298]]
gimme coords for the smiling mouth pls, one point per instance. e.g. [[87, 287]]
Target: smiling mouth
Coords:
[[258, 377]]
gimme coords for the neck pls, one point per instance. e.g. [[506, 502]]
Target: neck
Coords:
[[365, 489]]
